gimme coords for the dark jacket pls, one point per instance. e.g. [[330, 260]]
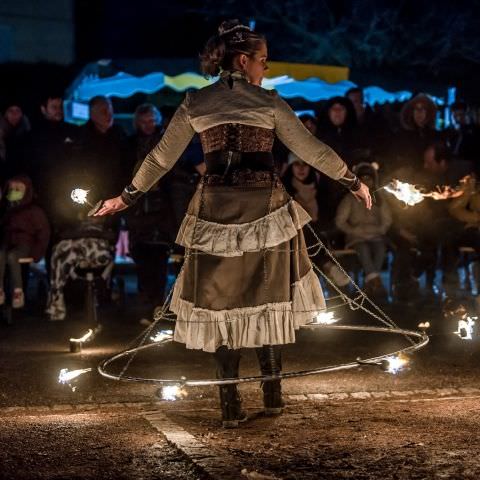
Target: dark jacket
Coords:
[[26, 224], [344, 139]]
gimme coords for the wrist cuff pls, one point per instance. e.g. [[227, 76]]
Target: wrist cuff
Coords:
[[350, 181], [131, 194]]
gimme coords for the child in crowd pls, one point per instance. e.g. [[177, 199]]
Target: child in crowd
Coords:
[[25, 233], [311, 190], [365, 229]]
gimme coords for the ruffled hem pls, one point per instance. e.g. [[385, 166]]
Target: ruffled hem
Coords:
[[247, 327], [232, 240]]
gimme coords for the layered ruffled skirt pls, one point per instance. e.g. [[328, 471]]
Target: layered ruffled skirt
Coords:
[[247, 280]]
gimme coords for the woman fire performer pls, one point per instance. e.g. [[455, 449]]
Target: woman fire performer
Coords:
[[247, 280]]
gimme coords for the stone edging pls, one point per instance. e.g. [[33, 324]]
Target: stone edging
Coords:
[[216, 467], [390, 394]]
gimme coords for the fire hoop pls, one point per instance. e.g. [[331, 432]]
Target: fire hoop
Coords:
[[422, 340]]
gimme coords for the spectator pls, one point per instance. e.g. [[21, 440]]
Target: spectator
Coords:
[[310, 190], [25, 233], [372, 132], [425, 235], [463, 138], [151, 220], [89, 243], [417, 118], [48, 147], [365, 230], [14, 126], [102, 153], [338, 128]]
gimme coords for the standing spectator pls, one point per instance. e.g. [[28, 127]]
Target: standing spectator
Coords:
[[151, 221], [365, 230], [25, 233], [48, 147], [463, 138], [14, 126], [338, 128], [417, 117], [372, 132], [103, 150]]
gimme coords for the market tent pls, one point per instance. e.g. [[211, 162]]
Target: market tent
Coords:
[[311, 89]]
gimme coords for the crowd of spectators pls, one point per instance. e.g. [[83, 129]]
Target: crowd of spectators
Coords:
[[41, 164]]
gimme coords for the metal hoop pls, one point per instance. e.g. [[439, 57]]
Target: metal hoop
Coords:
[[422, 340]]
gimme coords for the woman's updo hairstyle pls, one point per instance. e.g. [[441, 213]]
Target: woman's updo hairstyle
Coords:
[[232, 39]]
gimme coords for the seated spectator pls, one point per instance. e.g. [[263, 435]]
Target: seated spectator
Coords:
[[89, 243], [365, 230], [310, 190], [25, 233], [14, 126], [425, 235]]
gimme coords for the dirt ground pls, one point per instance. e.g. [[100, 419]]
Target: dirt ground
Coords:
[[88, 446], [423, 439]]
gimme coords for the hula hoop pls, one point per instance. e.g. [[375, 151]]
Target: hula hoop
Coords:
[[421, 340]]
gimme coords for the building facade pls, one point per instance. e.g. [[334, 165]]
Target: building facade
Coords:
[[37, 31]]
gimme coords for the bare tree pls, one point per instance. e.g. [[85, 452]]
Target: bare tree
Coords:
[[362, 33]]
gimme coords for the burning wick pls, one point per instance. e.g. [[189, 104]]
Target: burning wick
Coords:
[[424, 325], [326, 318], [162, 335], [406, 192], [79, 195], [66, 376], [393, 364], [465, 328], [86, 337], [173, 392]]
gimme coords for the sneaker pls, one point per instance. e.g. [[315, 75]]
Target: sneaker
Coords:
[[2, 297], [18, 300]]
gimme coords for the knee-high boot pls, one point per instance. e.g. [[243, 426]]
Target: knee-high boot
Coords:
[[230, 401], [270, 359]]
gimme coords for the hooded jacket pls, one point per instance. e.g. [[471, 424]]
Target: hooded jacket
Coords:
[[343, 140], [25, 223], [358, 223]]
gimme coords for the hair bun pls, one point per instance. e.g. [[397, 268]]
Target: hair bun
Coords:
[[229, 26]]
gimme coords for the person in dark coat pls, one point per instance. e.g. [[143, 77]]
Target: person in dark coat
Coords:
[[25, 233], [417, 118], [102, 150], [463, 137], [151, 221], [14, 127], [49, 145], [338, 128]]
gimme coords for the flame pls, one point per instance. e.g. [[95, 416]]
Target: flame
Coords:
[[173, 392], [394, 364], [424, 325], [326, 318], [84, 338], [162, 335], [465, 328], [66, 376], [79, 195], [405, 192]]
